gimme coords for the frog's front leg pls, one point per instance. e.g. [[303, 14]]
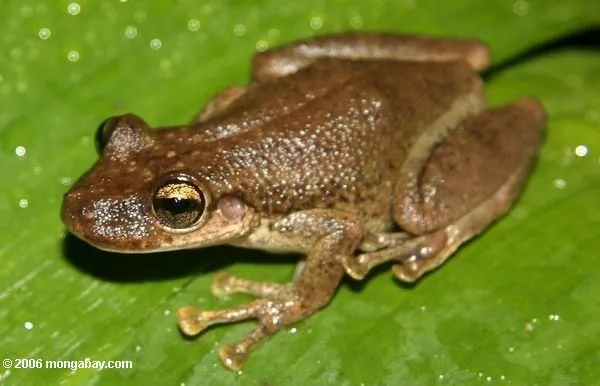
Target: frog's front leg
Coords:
[[219, 103], [288, 59], [226, 284], [335, 234]]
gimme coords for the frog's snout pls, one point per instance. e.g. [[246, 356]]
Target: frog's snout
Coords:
[[74, 214], [110, 223]]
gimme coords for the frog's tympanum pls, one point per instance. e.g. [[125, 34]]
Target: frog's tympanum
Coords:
[[355, 150]]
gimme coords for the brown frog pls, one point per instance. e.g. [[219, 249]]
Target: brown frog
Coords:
[[355, 150]]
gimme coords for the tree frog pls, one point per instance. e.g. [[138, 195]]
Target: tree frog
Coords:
[[354, 149]]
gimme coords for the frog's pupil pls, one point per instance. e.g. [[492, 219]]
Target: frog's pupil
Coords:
[[178, 205]]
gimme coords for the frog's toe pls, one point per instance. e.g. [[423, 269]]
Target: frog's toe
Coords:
[[408, 273], [193, 321], [233, 355], [354, 268], [223, 284]]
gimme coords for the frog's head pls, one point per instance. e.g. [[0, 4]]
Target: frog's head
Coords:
[[138, 198]]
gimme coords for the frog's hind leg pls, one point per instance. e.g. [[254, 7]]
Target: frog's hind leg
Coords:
[[424, 253], [470, 179], [288, 59]]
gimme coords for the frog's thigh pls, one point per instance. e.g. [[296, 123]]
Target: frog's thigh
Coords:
[[289, 59], [495, 150], [336, 234], [219, 103]]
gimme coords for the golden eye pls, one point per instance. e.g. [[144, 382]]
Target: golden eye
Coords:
[[178, 204]]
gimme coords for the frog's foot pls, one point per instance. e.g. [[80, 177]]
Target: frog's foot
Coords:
[[226, 284], [432, 251], [272, 316], [414, 251]]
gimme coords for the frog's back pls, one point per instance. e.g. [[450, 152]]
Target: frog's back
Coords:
[[336, 137]]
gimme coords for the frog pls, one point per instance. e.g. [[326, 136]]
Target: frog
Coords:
[[353, 150]]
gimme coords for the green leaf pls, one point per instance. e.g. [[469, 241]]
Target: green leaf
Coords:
[[518, 305]]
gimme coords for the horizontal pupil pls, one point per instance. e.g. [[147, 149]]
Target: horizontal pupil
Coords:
[[179, 205]]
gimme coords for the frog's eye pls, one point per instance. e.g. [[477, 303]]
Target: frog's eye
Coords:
[[104, 131], [178, 204]]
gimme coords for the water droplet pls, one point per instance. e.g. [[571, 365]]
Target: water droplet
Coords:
[[356, 21], [521, 8], [22, 87], [139, 16], [293, 330], [20, 151], [37, 170], [16, 53], [131, 32], [65, 181], [193, 25], [165, 65], [409, 4], [239, 30], [73, 56], [44, 33], [273, 34], [167, 312], [23, 203], [559, 183], [26, 10], [90, 37], [262, 45], [155, 44], [316, 23], [581, 151], [138, 348], [28, 325], [74, 8]]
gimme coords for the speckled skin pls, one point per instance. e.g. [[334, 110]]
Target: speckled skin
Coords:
[[337, 141]]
